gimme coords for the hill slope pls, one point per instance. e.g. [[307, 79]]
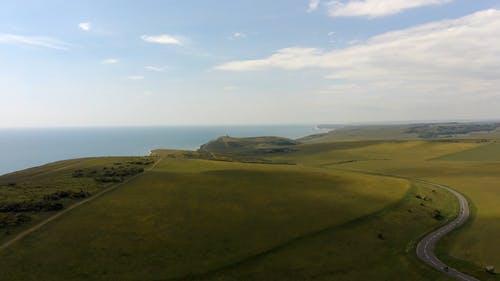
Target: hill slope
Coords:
[[189, 217], [242, 145]]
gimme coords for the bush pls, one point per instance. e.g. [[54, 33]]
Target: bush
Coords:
[[437, 215], [142, 162], [30, 206], [490, 269], [108, 179], [78, 174], [381, 236], [66, 194], [13, 219]]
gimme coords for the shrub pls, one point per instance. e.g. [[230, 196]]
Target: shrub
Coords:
[[437, 215], [78, 174], [66, 194], [490, 269], [13, 219], [108, 179], [30, 206]]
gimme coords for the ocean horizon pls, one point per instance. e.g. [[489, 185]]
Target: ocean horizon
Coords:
[[22, 148]]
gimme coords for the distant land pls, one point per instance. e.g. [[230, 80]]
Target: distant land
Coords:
[[440, 130]]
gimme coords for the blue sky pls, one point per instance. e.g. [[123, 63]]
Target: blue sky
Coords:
[[102, 63]]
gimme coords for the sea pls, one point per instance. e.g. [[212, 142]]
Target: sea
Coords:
[[30, 147]]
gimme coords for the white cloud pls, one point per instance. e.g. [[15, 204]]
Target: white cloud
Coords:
[[230, 88], [135, 77], [111, 61], [85, 26], [163, 39], [288, 58], [35, 41], [460, 54], [238, 35], [376, 8], [155, 68], [313, 5]]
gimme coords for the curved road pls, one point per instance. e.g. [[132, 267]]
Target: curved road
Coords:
[[425, 248]]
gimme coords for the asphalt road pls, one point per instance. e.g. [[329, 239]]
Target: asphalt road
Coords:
[[425, 248]]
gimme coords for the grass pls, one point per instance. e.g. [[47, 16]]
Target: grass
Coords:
[[362, 133], [29, 196], [197, 219], [487, 152], [444, 131], [191, 216], [374, 151], [231, 145], [354, 250], [476, 179]]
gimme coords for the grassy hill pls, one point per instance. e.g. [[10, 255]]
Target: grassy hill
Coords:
[[28, 196], [472, 172], [488, 152], [471, 167], [426, 131], [230, 145], [189, 217], [210, 215]]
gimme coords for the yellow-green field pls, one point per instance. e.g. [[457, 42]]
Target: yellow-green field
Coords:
[[485, 153], [337, 214], [196, 215], [471, 167], [28, 196]]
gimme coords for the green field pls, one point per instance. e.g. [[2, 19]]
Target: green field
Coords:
[[472, 171], [332, 212], [31, 195], [190, 216], [486, 153]]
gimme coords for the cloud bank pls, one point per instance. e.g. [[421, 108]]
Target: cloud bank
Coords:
[[376, 8], [461, 53]]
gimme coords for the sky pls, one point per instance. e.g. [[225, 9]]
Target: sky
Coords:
[[135, 63]]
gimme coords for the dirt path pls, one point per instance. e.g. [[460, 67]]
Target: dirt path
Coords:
[[74, 206]]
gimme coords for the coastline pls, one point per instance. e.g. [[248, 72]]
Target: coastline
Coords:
[[20, 152]]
